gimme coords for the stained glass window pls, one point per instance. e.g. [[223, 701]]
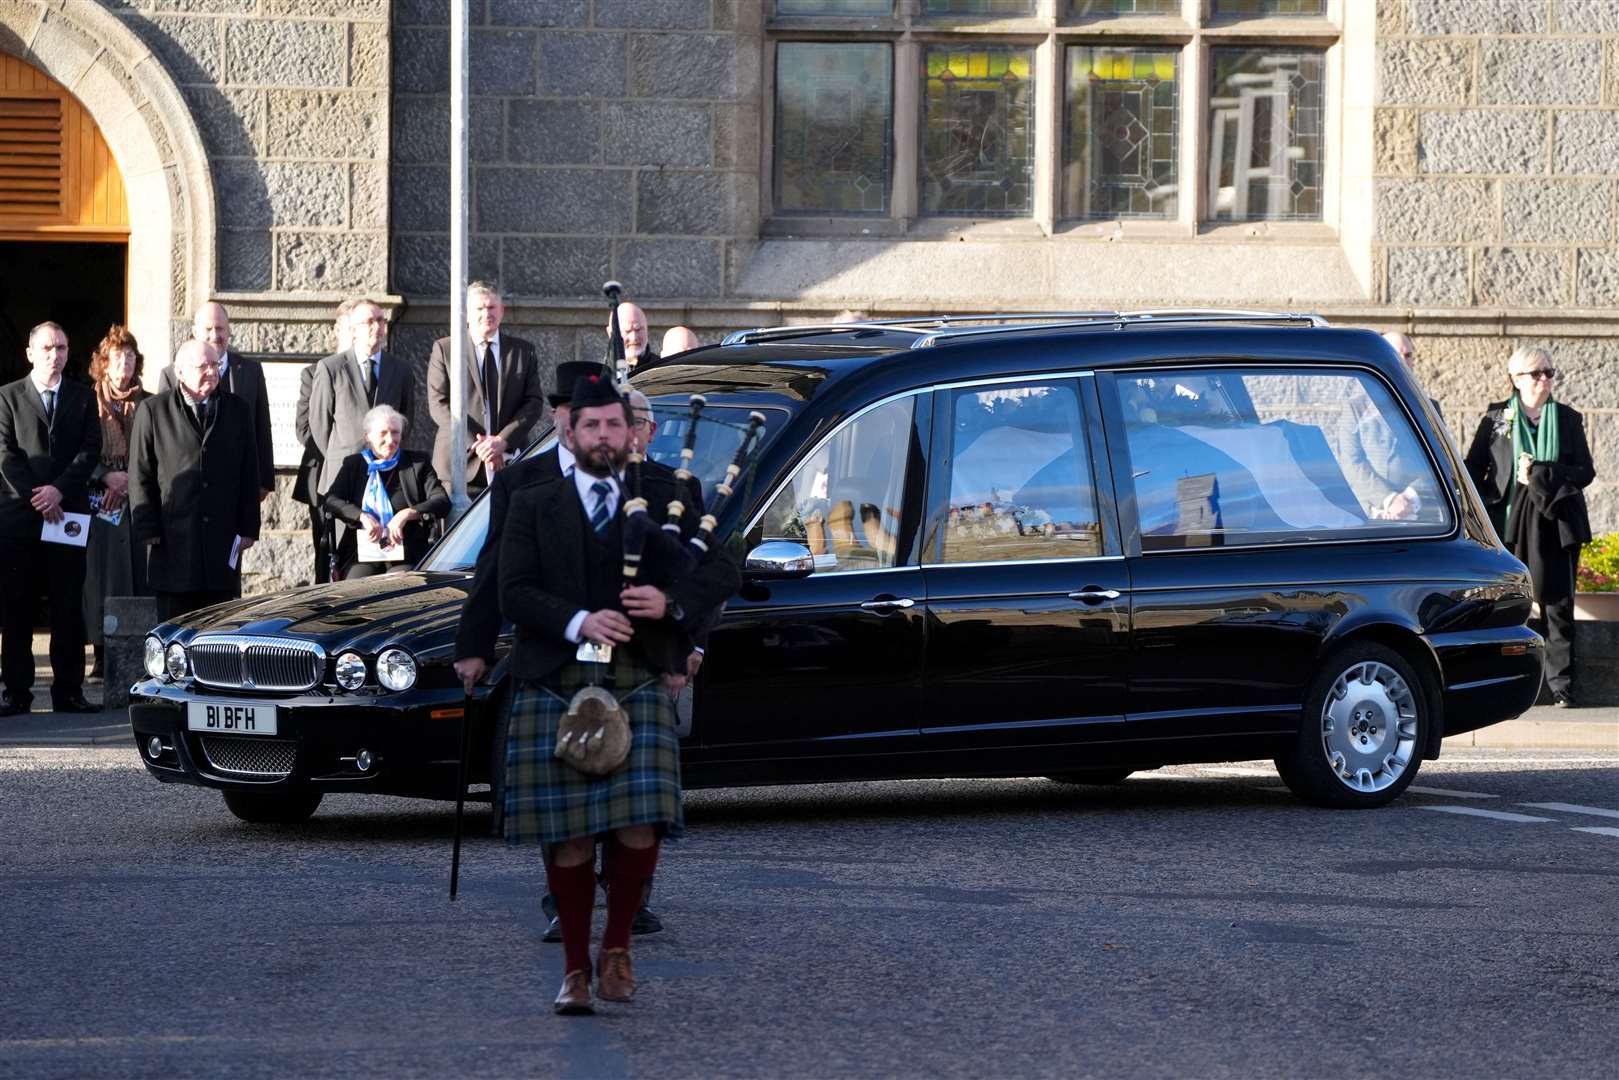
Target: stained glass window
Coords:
[[1261, 8], [834, 7], [1102, 9], [979, 7], [833, 114], [1119, 158], [978, 131], [1265, 134]]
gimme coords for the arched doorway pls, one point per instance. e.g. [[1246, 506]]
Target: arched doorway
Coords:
[[148, 126], [64, 219]]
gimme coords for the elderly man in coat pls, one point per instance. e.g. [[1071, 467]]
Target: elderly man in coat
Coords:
[[193, 485]]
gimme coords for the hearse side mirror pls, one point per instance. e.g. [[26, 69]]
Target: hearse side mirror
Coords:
[[778, 560]]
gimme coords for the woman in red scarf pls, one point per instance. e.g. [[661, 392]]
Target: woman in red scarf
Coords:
[[113, 569]]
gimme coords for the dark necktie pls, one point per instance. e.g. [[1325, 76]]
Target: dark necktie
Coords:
[[491, 387], [599, 517], [369, 376], [50, 406]]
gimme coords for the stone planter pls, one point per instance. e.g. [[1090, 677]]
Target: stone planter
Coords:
[[124, 630], [1597, 606]]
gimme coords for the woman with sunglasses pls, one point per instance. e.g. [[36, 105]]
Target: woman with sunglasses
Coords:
[[1531, 463]]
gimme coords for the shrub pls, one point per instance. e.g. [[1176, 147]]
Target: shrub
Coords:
[[1599, 564]]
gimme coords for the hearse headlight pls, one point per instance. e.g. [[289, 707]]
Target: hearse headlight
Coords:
[[154, 656], [350, 671], [396, 669], [175, 661]]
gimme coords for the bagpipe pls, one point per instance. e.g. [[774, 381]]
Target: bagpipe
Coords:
[[654, 552], [594, 735]]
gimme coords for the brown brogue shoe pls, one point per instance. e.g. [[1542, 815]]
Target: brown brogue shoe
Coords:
[[615, 976], [574, 997]]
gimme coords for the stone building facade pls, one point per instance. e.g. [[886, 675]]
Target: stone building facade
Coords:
[[280, 155]]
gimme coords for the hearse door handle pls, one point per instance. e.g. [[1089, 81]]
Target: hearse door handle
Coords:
[[883, 607], [1090, 594]]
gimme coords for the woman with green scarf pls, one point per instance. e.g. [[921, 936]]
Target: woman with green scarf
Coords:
[[1531, 463]]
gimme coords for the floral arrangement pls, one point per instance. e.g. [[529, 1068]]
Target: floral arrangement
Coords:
[[1599, 565]]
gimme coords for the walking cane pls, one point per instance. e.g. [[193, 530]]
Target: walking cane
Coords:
[[460, 793]]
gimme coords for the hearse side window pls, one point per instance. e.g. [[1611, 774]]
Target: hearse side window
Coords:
[[845, 502], [1020, 476], [1259, 457]]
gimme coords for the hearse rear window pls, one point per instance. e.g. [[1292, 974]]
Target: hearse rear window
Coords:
[[1020, 476], [1264, 457]]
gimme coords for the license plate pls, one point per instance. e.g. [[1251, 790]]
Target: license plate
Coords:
[[231, 717]]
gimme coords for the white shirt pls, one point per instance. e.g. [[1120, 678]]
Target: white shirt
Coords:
[[582, 482], [56, 388], [565, 458], [369, 365]]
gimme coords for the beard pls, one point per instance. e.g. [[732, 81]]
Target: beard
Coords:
[[603, 460]]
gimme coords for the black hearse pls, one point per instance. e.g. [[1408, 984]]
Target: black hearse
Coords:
[[1067, 546]]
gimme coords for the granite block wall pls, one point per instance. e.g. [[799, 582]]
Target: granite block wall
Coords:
[[1497, 190]]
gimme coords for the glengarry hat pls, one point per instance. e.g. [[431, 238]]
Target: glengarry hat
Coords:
[[593, 390]]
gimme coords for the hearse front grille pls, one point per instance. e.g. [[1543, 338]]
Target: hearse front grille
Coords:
[[246, 663], [248, 755]]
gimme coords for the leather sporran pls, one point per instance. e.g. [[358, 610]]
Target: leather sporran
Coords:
[[594, 734]]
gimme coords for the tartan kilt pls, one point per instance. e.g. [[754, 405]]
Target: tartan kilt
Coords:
[[548, 801]]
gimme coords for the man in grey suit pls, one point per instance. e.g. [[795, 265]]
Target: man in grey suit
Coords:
[[504, 396], [239, 375], [303, 488], [348, 384]]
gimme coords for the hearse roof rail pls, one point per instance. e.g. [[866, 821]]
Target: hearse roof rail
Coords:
[[933, 329], [1121, 320], [921, 324]]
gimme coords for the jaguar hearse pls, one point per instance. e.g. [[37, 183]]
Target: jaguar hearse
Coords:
[[1064, 546]]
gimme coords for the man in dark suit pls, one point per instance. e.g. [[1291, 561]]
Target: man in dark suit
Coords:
[[347, 384], [308, 479], [50, 440], [504, 398], [239, 375], [193, 471]]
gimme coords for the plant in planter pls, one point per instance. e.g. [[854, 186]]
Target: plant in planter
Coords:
[[1597, 595]]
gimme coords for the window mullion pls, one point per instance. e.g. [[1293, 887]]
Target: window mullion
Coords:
[[1194, 133], [907, 126], [1048, 82]]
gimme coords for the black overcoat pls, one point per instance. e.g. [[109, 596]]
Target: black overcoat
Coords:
[[411, 484], [194, 492], [244, 377], [1552, 522], [480, 615], [62, 453]]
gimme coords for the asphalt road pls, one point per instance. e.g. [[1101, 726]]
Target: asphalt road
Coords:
[[1197, 921]]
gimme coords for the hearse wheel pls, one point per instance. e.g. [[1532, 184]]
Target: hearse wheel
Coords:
[[280, 808], [1091, 776], [1366, 717]]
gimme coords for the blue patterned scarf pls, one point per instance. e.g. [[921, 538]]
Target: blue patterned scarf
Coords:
[[376, 501]]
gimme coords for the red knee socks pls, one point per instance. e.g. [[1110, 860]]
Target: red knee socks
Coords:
[[627, 873], [575, 890]]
